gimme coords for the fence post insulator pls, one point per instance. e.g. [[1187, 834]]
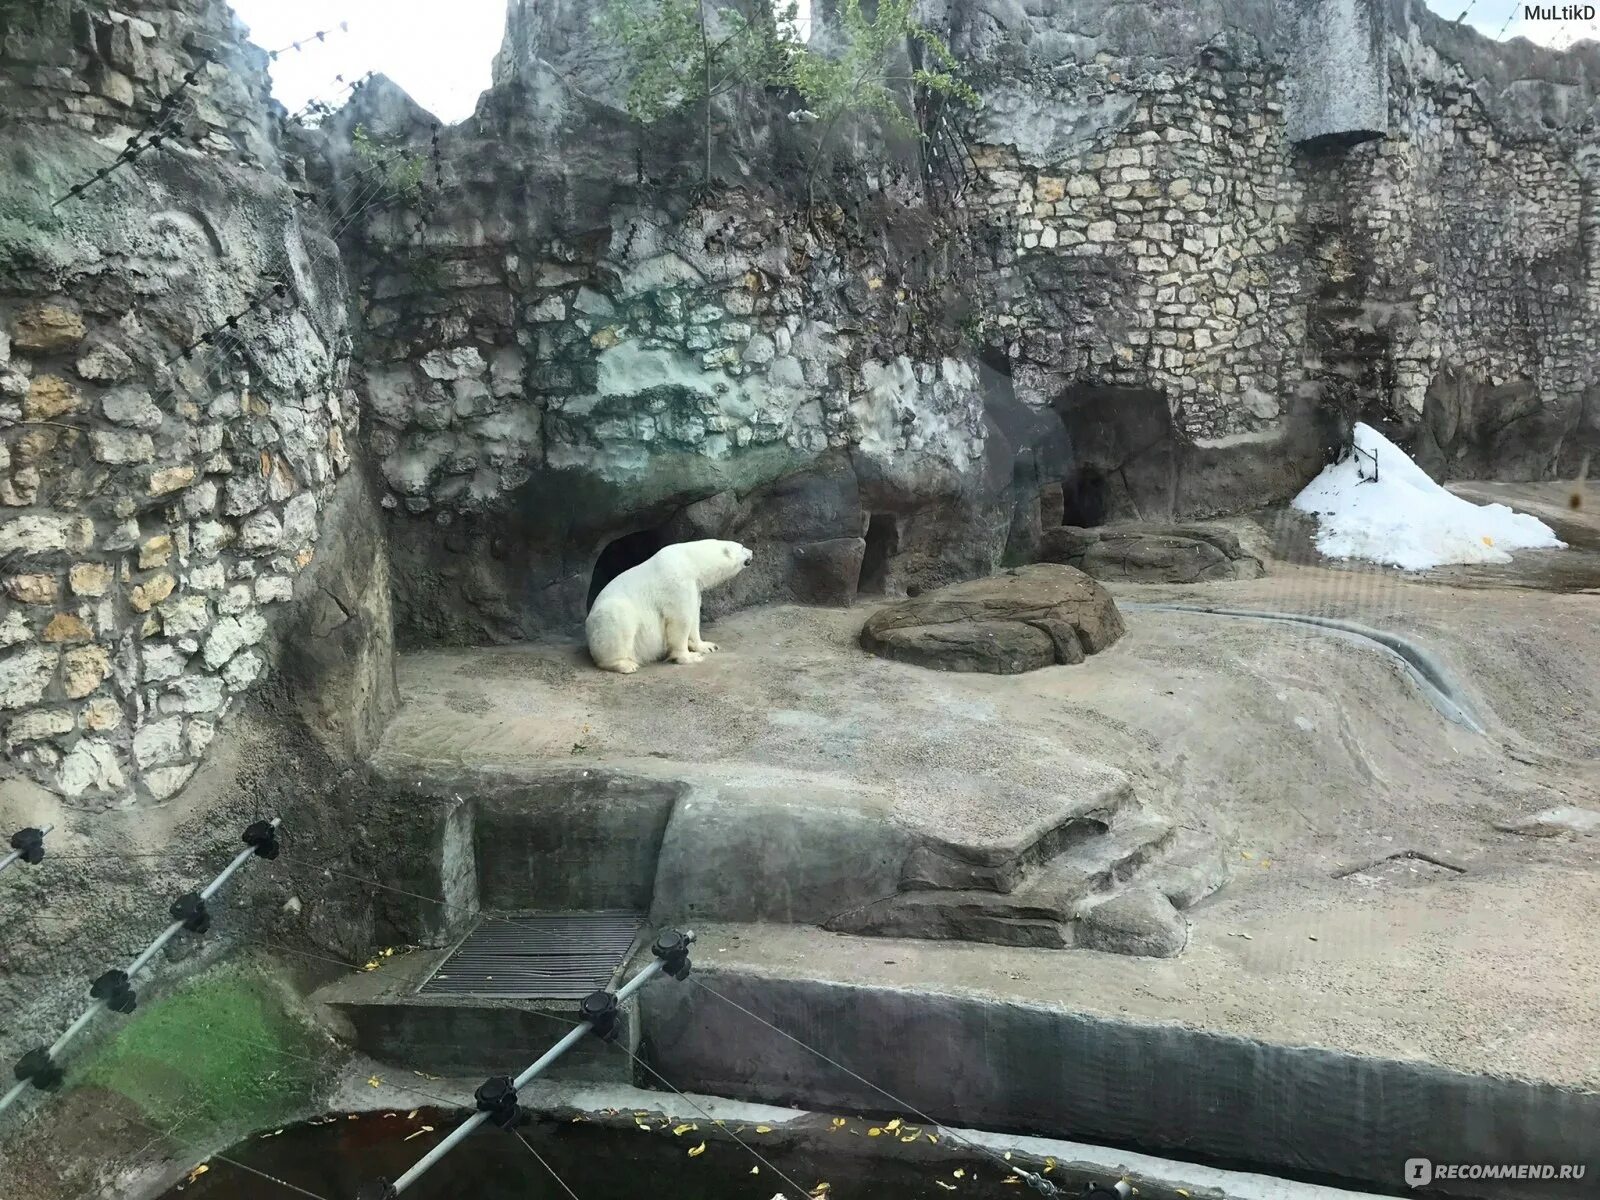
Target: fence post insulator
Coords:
[[497, 1097], [600, 1010], [263, 835]]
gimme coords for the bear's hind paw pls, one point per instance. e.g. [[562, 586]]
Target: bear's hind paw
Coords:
[[687, 657]]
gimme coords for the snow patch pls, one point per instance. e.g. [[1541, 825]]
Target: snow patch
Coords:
[[1404, 519]]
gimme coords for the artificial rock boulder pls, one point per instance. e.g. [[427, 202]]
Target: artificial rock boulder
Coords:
[[1151, 553], [1022, 620]]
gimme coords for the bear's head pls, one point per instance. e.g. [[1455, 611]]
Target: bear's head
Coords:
[[723, 560]]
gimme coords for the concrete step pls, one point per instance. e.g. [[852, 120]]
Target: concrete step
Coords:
[[382, 1014], [1040, 913]]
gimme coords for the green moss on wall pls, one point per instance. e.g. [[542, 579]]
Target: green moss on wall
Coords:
[[222, 1051]]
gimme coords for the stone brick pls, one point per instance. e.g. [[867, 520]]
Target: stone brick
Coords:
[[155, 552], [187, 615], [152, 592], [32, 589], [121, 448], [158, 742], [25, 674], [102, 713], [91, 765], [128, 406], [65, 627], [89, 579], [170, 479], [84, 669], [41, 723], [164, 782], [47, 329], [49, 398]]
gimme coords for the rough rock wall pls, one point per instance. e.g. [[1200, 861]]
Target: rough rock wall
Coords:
[[157, 508], [1189, 224], [598, 351]]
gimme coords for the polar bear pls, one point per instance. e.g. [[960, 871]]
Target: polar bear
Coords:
[[652, 611]]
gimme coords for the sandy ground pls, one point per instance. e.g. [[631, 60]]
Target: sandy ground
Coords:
[[1313, 759]]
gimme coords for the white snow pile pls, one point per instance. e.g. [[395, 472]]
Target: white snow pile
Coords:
[[1404, 519]]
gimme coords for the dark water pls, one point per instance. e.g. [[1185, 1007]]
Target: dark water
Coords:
[[597, 1162]]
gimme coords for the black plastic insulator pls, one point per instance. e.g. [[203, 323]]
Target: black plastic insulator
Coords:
[[38, 1068], [497, 1096], [600, 1008], [672, 948], [115, 989], [191, 910], [31, 842], [263, 835], [376, 1189], [1107, 1191]]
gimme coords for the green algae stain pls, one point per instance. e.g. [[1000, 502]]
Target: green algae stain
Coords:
[[220, 1051]]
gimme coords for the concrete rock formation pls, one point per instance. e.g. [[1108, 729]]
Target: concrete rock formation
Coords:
[[1020, 620], [1151, 553]]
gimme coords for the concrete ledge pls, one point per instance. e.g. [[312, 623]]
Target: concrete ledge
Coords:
[[1164, 1088]]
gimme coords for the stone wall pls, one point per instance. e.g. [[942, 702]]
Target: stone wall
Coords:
[[157, 508], [1186, 225]]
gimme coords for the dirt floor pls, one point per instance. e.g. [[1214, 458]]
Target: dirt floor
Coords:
[[1376, 906]]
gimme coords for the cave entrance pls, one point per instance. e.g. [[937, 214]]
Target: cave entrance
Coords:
[[1085, 494], [627, 552], [883, 540], [1124, 453]]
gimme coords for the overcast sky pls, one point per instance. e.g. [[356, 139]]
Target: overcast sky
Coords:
[[440, 50]]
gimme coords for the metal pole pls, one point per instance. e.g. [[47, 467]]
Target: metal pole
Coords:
[[462, 1131], [16, 854], [133, 968]]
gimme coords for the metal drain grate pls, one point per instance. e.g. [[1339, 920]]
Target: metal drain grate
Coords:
[[563, 956]]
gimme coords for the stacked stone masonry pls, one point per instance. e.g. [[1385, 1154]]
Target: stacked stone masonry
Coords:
[[156, 507]]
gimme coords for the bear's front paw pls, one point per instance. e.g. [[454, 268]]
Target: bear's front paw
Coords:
[[687, 657], [698, 647], [709, 647]]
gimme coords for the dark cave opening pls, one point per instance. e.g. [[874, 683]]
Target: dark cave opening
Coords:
[[883, 539], [1084, 496], [624, 553]]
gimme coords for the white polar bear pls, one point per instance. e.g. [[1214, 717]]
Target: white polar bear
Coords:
[[652, 611]]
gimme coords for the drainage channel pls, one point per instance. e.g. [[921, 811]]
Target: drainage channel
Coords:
[[1430, 675], [561, 956]]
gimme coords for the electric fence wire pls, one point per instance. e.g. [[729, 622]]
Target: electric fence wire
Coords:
[[569, 939], [138, 143], [373, 192], [113, 990], [171, 1135], [1512, 17], [322, 104], [320, 35], [545, 1165]]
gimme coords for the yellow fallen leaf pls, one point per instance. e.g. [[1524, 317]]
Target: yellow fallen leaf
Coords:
[[909, 1138], [931, 1138], [837, 1122], [424, 1075], [1245, 854], [1180, 1191], [893, 1125], [683, 1129], [1488, 541], [389, 953], [353, 1117], [1049, 1165], [874, 1132], [755, 1170], [374, 1081], [1011, 1179], [370, 965], [820, 1189], [412, 1115], [763, 1128], [1008, 1156], [949, 1187], [422, 1130], [197, 1172], [959, 1172], [698, 1150]]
